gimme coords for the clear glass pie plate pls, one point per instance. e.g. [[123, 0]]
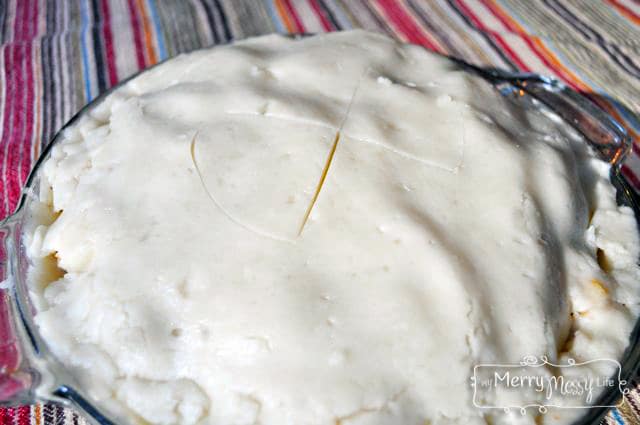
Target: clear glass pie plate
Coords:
[[30, 373]]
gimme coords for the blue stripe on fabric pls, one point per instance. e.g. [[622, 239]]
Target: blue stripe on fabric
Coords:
[[514, 15], [549, 44], [162, 51], [616, 415], [84, 12], [337, 9], [628, 117], [271, 8]]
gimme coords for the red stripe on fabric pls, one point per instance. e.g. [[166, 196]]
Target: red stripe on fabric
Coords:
[[294, 15], [9, 99], [24, 413], [500, 15], [411, 17], [10, 88], [8, 416], [11, 141], [18, 123], [494, 35], [406, 25], [23, 129], [17, 20], [631, 176], [137, 35], [323, 19], [24, 161], [107, 35], [13, 118], [634, 17]]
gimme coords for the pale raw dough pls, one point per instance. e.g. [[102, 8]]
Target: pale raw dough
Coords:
[[451, 230]]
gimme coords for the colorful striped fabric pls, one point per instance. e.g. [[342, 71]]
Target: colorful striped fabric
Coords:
[[57, 55]]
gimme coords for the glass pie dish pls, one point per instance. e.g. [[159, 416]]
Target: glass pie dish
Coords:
[[30, 372]]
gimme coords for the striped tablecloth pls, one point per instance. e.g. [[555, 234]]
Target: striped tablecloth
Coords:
[[57, 55]]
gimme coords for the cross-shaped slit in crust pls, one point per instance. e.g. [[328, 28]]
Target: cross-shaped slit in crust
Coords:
[[347, 130]]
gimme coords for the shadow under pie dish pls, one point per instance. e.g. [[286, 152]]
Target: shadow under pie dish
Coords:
[[332, 230]]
